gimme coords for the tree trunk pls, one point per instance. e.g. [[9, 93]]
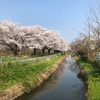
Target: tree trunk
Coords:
[[15, 52], [43, 51], [49, 51], [35, 52]]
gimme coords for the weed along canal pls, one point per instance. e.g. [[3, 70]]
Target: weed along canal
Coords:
[[64, 84]]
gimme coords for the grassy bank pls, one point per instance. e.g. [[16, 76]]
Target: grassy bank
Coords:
[[25, 73], [93, 73]]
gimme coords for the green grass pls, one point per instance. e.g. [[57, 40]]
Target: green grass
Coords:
[[93, 80], [24, 72], [6, 59]]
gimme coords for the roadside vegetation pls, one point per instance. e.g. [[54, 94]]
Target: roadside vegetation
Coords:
[[93, 75], [24, 73], [87, 48], [6, 59]]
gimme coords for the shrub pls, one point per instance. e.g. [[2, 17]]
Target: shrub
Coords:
[[97, 59]]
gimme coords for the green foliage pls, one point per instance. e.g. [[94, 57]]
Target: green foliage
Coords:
[[7, 59], [24, 73], [93, 80], [97, 59]]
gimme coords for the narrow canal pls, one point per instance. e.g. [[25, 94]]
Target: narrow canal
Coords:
[[64, 84]]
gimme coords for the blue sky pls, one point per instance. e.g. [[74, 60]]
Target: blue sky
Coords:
[[65, 16]]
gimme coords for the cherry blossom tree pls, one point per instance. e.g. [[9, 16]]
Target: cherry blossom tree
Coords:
[[11, 36], [33, 37], [38, 37]]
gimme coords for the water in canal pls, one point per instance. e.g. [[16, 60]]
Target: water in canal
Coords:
[[64, 84]]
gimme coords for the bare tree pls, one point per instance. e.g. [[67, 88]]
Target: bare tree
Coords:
[[89, 45]]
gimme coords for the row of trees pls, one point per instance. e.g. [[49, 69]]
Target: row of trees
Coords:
[[88, 43], [36, 38]]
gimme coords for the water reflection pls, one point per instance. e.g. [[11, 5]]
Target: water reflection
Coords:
[[73, 66], [62, 85], [54, 80]]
